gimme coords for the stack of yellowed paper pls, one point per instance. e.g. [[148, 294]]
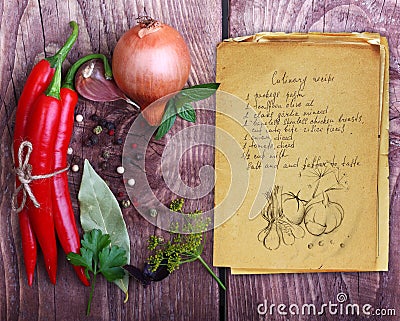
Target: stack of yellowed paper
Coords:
[[301, 153]]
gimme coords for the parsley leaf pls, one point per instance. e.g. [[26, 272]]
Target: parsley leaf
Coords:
[[95, 241], [98, 257], [85, 259], [111, 262]]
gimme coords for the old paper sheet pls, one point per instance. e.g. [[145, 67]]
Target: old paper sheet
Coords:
[[323, 100]]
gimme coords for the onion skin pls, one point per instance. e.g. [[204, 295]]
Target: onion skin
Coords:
[[154, 112], [149, 64]]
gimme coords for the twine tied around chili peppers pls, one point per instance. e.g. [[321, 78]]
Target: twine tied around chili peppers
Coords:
[[24, 174]]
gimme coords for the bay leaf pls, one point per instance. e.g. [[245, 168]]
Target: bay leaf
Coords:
[[99, 209]]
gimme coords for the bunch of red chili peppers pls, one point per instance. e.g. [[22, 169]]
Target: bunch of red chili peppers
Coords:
[[42, 132]]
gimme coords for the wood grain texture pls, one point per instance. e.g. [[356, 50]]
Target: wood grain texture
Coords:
[[381, 290], [29, 31]]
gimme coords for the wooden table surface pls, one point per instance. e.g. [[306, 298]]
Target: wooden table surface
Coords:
[[31, 29]]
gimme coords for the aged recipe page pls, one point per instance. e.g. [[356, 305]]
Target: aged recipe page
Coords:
[[312, 130]]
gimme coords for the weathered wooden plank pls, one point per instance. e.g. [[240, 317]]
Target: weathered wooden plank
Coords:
[[30, 29], [378, 289]]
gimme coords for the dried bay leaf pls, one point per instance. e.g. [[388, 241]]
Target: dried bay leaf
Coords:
[[99, 209]]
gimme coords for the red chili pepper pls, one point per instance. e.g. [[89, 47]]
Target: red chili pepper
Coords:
[[36, 83], [45, 115], [64, 217], [29, 246]]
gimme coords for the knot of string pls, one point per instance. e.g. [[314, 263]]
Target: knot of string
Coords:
[[24, 174]]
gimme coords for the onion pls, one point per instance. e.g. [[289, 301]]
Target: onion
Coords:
[[150, 61], [293, 207]]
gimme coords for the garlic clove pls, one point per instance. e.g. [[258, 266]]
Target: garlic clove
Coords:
[[91, 84]]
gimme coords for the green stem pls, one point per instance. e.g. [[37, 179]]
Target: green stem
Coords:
[[91, 294], [54, 88], [69, 78], [211, 272], [65, 49]]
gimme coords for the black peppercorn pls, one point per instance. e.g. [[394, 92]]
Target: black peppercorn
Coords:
[[102, 122], [93, 140], [103, 165], [109, 125]]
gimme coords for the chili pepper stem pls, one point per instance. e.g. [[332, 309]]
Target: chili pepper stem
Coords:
[[211, 272], [69, 78], [65, 49], [54, 88]]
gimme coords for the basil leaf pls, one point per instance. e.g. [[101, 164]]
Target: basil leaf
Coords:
[[168, 119], [187, 112], [100, 210], [198, 92], [180, 104]]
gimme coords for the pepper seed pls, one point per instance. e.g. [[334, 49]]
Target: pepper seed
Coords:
[[110, 126], [75, 168], [104, 165], [93, 140], [126, 203], [97, 130], [153, 212], [102, 122], [120, 170], [106, 154], [79, 118], [131, 182]]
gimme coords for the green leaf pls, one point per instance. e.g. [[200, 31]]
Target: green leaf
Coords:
[[84, 259], [100, 210], [198, 92], [111, 260], [168, 119], [180, 105], [187, 112], [95, 241]]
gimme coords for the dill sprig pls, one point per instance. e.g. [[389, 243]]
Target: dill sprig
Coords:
[[186, 243]]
